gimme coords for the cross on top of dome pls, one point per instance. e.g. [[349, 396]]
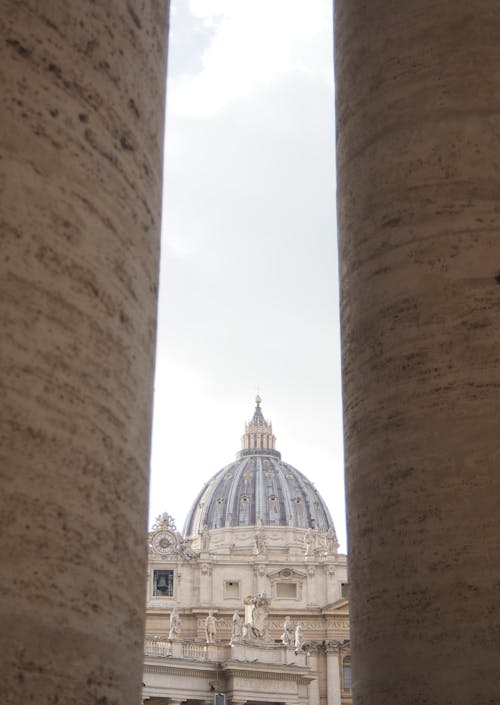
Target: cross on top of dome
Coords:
[[258, 419], [258, 434]]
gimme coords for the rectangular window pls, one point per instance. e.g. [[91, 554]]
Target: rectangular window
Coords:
[[345, 589], [286, 590], [231, 588], [347, 677], [163, 583]]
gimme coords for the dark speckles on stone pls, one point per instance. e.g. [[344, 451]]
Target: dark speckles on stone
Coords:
[[135, 17], [53, 68], [126, 144], [83, 117], [497, 277], [391, 222], [92, 44], [19, 48], [133, 107]]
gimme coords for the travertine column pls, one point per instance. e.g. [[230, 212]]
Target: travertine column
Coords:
[[333, 675], [80, 180], [313, 688], [418, 144]]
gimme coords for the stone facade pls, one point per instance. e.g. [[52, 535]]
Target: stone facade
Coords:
[[250, 579]]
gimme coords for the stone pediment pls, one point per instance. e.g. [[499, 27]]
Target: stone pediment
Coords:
[[338, 607], [287, 574]]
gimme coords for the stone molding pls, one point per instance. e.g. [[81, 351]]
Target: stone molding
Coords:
[[176, 670], [268, 675]]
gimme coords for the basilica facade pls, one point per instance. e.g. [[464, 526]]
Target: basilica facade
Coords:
[[249, 603]]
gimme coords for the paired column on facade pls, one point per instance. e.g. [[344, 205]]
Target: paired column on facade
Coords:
[[333, 683]]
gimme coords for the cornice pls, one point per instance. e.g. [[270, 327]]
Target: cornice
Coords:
[[255, 670], [175, 670]]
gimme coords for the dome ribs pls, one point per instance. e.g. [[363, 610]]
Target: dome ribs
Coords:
[[258, 489]]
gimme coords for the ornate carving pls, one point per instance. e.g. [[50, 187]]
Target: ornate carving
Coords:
[[332, 646], [166, 542], [256, 611], [345, 648], [313, 647], [286, 574], [186, 551], [337, 646], [164, 521]]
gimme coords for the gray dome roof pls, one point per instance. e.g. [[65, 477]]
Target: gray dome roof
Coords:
[[258, 489]]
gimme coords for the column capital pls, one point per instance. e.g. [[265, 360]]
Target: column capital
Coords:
[[332, 647]]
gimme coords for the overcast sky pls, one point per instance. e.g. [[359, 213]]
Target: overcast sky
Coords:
[[248, 295]]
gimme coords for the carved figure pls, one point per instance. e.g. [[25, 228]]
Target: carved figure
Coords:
[[260, 545], [288, 636], [331, 541], [186, 551], [310, 541], [259, 615], [175, 624], [210, 628], [256, 611], [237, 626], [299, 637]]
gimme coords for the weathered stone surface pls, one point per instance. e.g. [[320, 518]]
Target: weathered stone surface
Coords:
[[80, 183], [418, 144]]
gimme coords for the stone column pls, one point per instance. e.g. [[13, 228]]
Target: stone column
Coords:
[[418, 149], [80, 187], [313, 688], [333, 689]]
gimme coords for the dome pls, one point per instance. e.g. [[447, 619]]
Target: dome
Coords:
[[258, 489]]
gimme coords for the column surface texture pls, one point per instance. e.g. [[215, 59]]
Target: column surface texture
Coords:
[[80, 184], [418, 150]]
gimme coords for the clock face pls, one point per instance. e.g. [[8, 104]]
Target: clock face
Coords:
[[164, 542]]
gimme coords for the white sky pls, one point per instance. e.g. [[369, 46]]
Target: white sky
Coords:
[[248, 293]]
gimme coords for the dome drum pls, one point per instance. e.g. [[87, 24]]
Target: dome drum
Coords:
[[257, 451]]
